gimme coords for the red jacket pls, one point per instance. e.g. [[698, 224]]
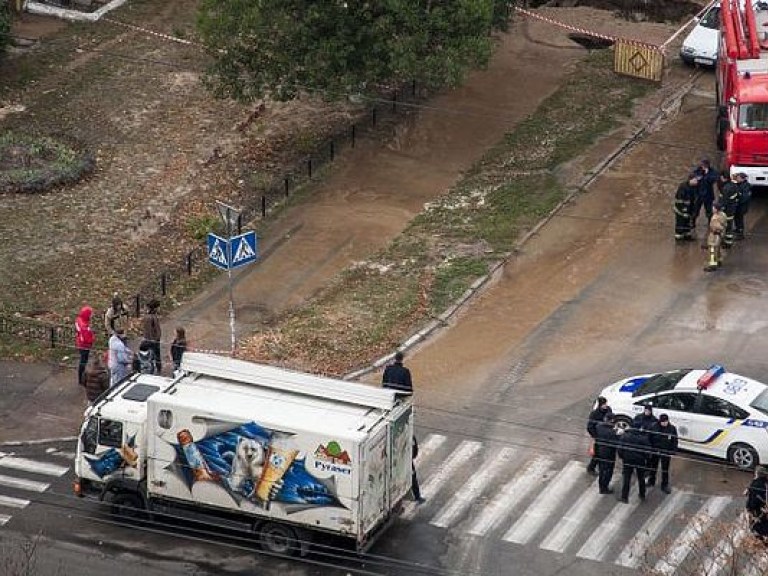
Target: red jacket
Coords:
[[83, 332]]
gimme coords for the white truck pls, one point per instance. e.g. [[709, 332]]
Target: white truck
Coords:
[[286, 453]]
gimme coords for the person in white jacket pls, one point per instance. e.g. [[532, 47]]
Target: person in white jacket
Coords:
[[120, 358]]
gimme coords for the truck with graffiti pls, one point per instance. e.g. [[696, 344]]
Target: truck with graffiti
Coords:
[[283, 452]]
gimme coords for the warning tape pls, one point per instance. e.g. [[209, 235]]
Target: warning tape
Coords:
[[587, 32], [153, 33]]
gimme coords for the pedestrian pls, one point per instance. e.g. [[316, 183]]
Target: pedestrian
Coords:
[[96, 380], [633, 450], [83, 340], [683, 207], [120, 357], [414, 480], [116, 316], [730, 200], [144, 360], [597, 415], [717, 227], [744, 200], [606, 444], [664, 445], [705, 192], [396, 376], [151, 332], [178, 347], [757, 502], [646, 421]]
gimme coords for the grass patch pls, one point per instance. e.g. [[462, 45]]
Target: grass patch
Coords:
[[374, 306]]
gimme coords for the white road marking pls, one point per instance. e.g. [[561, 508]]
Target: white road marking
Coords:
[[545, 504], [596, 547], [4, 519], [29, 485], [436, 481], [723, 551], [33, 466], [429, 447], [711, 509], [634, 552], [10, 502], [559, 539], [470, 493]]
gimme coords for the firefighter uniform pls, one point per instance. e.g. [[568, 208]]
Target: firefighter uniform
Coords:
[[683, 207], [717, 226], [730, 201]]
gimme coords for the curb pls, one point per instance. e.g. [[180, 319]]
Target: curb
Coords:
[[664, 109], [37, 442]]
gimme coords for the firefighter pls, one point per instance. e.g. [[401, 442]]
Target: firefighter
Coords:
[[705, 192], [683, 207], [730, 200], [717, 225]]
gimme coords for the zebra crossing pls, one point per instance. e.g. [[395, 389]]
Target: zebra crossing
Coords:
[[22, 478], [527, 499]]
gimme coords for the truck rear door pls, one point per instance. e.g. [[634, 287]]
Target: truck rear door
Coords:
[[374, 489]]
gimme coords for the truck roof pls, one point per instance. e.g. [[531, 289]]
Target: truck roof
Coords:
[[234, 389]]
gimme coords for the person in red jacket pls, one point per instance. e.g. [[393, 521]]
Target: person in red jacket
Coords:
[[83, 340]]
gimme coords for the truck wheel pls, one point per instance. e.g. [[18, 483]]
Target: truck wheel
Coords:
[[743, 456], [127, 505], [278, 539]]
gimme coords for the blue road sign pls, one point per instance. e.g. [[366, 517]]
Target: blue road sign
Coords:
[[218, 248], [244, 249]]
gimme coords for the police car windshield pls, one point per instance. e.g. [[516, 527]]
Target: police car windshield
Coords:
[[761, 402], [660, 382]]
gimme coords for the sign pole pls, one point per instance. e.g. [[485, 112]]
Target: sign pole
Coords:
[[229, 215]]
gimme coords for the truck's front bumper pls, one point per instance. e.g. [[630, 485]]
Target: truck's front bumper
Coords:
[[757, 175]]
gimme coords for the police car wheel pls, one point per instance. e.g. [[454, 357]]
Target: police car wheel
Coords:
[[743, 456], [278, 539]]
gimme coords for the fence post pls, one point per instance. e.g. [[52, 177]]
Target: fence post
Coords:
[[285, 181], [240, 223], [413, 88], [394, 101], [263, 206], [163, 283], [138, 305], [53, 336], [354, 129], [373, 116], [189, 263], [309, 167], [333, 150]]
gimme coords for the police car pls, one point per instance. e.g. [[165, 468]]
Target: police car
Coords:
[[716, 413]]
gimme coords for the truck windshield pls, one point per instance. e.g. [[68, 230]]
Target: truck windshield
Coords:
[[753, 116], [711, 19]]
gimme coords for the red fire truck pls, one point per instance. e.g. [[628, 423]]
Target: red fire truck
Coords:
[[742, 89]]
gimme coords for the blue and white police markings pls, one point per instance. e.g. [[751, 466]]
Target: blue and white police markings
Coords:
[[217, 251], [244, 249]]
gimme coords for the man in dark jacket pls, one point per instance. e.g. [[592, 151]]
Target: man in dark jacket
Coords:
[[595, 417], [606, 443], [730, 200], [633, 450], [744, 200], [664, 444], [705, 193], [684, 198], [757, 502], [397, 376]]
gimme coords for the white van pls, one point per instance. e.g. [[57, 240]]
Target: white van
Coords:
[[700, 46]]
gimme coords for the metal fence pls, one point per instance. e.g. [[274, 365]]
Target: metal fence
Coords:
[[260, 203]]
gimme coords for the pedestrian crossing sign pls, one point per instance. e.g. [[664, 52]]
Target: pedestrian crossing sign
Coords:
[[242, 249]]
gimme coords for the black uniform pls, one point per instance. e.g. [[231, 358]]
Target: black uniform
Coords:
[[595, 417], [705, 192], [634, 450], [757, 500], [606, 444], [684, 198], [397, 377], [730, 201], [664, 444], [414, 480], [646, 423], [738, 219]]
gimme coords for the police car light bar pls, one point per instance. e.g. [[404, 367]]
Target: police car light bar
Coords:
[[710, 376]]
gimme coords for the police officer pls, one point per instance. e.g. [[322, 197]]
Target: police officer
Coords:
[[746, 196], [633, 450], [664, 444], [757, 502], [606, 444], [730, 200], [595, 417], [683, 207]]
